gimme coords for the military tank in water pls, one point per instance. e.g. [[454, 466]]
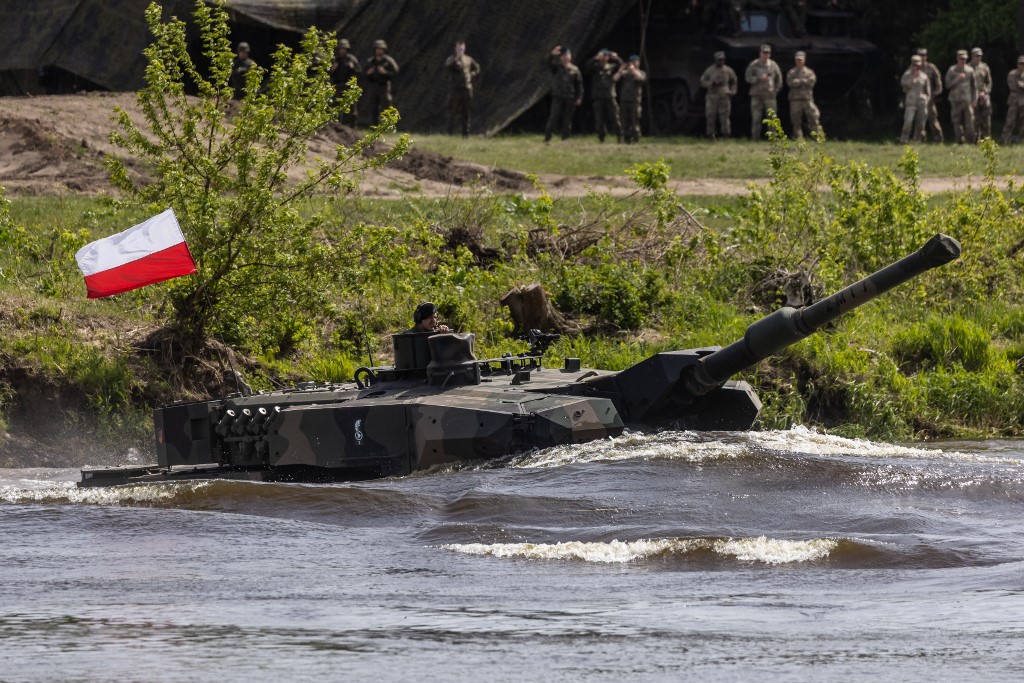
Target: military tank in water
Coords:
[[438, 403]]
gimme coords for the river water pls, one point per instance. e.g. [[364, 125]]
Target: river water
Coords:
[[789, 555]]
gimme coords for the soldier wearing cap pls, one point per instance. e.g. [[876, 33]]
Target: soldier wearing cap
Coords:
[[917, 92], [720, 81], [962, 95], [462, 70], [566, 92], [632, 79], [378, 72], [1015, 102], [765, 79], [345, 67], [602, 68], [801, 80], [983, 84], [240, 66], [935, 80]]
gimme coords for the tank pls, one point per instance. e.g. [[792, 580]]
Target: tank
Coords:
[[438, 403]]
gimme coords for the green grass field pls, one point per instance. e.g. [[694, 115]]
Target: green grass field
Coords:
[[693, 158]]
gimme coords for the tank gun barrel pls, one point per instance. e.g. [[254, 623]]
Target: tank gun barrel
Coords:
[[788, 325]]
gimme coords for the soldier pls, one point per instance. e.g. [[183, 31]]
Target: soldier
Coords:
[[720, 81], [801, 80], [632, 79], [602, 68], [240, 66], [765, 79], [983, 84], [962, 96], [462, 70], [935, 81], [917, 91], [379, 70], [345, 67], [566, 92], [1015, 102], [424, 319]]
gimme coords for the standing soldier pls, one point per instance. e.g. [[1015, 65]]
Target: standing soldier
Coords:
[[962, 96], [380, 69], [765, 79], [935, 81], [462, 70], [566, 92], [983, 84], [801, 80], [602, 68], [240, 66], [1015, 103], [720, 81], [632, 79], [345, 67], [917, 89]]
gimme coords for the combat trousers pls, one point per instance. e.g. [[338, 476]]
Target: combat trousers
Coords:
[[606, 117], [759, 106], [933, 125], [804, 110], [962, 114], [562, 109], [718, 108], [379, 98], [1014, 115], [631, 121], [915, 118], [983, 118], [459, 102]]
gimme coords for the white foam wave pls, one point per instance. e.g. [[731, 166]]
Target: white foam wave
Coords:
[[68, 492], [761, 549], [688, 446]]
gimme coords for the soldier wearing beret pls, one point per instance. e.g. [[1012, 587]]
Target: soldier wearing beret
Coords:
[[566, 92]]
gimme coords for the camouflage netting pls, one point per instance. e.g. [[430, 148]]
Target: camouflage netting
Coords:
[[102, 41]]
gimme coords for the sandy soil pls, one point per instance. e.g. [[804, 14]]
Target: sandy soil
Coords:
[[56, 145]]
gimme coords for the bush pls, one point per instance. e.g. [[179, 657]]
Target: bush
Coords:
[[942, 343]]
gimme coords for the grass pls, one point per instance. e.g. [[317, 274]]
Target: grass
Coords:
[[693, 158]]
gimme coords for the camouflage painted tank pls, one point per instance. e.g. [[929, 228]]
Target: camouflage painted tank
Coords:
[[438, 403]]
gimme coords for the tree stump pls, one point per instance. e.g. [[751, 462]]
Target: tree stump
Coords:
[[532, 310]]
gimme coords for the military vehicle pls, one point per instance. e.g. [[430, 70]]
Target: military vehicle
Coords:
[[438, 403]]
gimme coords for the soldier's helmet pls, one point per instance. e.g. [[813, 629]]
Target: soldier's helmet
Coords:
[[976, 52], [379, 43], [345, 44], [243, 46], [719, 56]]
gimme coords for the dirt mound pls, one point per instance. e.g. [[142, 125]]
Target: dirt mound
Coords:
[[35, 159]]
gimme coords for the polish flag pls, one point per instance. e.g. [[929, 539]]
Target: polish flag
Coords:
[[148, 253]]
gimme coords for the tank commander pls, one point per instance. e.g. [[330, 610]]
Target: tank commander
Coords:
[[462, 70], [425, 319], [917, 94], [801, 81], [765, 79], [983, 84], [720, 81], [1015, 102], [963, 94], [602, 68], [240, 66], [345, 67], [566, 92], [632, 79], [380, 69]]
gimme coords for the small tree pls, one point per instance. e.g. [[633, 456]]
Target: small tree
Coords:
[[224, 168]]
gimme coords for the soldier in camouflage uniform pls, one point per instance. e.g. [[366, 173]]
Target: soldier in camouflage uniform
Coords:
[[240, 66], [632, 80], [983, 84], [801, 81], [566, 92], [935, 81], [917, 91], [720, 81], [602, 68], [1015, 103], [378, 72], [962, 95], [345, 67], [462, 70], [765, 79]]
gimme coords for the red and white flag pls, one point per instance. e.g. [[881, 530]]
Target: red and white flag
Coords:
[[148, 253]]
